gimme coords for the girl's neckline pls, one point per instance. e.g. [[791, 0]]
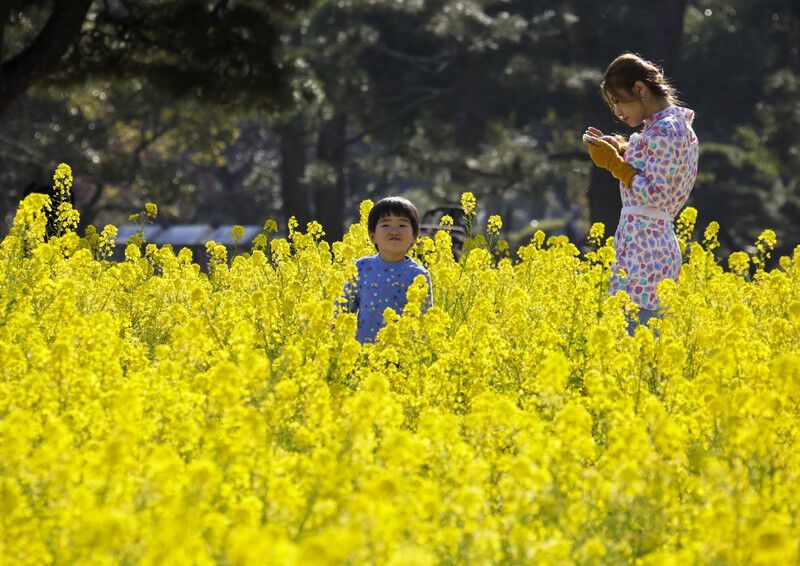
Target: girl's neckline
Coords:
[[656, 116]]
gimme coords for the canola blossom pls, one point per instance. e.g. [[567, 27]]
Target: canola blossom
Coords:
[[151, 412]]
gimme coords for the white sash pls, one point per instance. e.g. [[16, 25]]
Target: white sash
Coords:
[[647, 211]]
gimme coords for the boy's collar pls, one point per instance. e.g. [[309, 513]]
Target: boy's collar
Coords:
[[405, 258]]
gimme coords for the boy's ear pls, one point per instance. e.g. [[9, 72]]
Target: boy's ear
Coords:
[[372, 237]]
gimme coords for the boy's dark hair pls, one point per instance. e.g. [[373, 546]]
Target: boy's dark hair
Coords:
[[625, 70], [397, 206]]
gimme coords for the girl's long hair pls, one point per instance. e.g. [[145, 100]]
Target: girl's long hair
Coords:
[[625, 70]]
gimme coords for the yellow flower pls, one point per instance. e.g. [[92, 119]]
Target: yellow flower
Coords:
[[107, 241], [364, 210], [468, 203], [739, 262], [144, 401], [710, 241], [237, 233], [151, 210], [292, 225], [494, 224], [685, 226], [217, 254], [606, 256], [132, 252], [68, 217], [315, 230], [446, 220], [764, 244], [62, 180], [281, 249], [688, 217], [260, 242], [270, 226], [768, 239], [596, 232]]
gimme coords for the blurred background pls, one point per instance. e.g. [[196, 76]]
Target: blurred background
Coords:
[[234, 111]]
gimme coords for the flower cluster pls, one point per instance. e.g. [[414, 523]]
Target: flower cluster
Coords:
[[468, 203], [62, 180], [151, 412], [685, 227], [237, 233], [710, 236], [494, 224], [764, 245]]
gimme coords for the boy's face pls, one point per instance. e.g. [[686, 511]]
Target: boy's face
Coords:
[[393, 237]]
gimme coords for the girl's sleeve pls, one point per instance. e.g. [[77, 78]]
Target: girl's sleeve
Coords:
[[656, 158]]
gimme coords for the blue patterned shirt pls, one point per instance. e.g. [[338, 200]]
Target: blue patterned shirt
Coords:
[[380, 285]]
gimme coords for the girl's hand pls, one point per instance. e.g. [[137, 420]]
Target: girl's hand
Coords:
[[592, 134], [613, 141]]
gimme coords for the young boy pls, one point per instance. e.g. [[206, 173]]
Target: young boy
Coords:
[[384, 278]]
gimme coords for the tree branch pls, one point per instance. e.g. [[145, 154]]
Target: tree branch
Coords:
[[427, 64], [5, 13], [29, 151], [393, 116], [43, 54]]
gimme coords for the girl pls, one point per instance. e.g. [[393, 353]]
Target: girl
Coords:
[[656, 169]]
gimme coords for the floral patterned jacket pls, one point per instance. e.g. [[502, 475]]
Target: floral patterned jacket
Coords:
[[665, 153]]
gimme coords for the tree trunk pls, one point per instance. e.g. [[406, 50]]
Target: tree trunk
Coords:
[[5, 12], [471, 87], [43, 54], [605, 201], [603, 194], [471, 112], [665, 43], [296, 201], [89, 209], [329, 179]]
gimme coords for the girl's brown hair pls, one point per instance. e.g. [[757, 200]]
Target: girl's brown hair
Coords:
[[625, 70]]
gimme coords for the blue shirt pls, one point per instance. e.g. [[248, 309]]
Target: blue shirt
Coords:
[[380, 285]]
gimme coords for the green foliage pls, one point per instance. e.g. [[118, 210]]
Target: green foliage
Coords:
[[432, 98]]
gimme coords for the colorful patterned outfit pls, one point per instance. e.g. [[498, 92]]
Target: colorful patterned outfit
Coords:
[[380, 285], [665, 154]]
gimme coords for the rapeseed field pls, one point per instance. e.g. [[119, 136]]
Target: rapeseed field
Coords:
[[151, 412]]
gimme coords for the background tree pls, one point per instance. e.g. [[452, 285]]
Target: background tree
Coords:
[[362, 98], [219, 50], [223, 53]]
